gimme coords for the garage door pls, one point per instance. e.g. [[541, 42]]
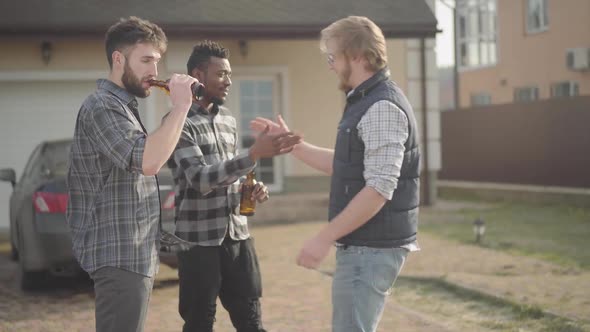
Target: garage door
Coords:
[[31, 112]]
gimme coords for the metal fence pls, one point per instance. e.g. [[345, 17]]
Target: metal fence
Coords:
[[539, 143]]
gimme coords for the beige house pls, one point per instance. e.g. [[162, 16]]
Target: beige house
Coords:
[[52, 56], [522, 50]]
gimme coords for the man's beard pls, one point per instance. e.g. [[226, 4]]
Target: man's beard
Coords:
[[217, 101], [212, 99], [133, 84], [344, 78]]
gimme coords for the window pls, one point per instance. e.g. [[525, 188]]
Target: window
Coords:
[[476, 33], [481, 99], [564, 89], [537, 18], [253, 96], [33, 162], [527, 93], [256, 99]]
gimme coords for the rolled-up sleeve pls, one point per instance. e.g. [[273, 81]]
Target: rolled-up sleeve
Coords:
[[384, 131], [116, 137]]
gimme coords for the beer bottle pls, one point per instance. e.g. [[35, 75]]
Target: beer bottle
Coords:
[[247, 205], [197, 88]]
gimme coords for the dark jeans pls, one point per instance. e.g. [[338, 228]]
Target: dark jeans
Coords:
[[121, 298], [229, 271]]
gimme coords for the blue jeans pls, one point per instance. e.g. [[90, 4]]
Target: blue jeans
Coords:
[[363, 278]]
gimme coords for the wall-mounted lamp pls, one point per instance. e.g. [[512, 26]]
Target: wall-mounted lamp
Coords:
[[243, 48], [46, 49]]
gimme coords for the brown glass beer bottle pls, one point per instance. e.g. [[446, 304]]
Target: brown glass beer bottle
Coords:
[[247, 205], [197, 88]]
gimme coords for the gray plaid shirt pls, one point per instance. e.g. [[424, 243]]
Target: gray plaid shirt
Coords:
[[113, 210], [384, 131], [206, 170]]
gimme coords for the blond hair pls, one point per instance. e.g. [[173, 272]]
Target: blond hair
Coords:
[[357, 36]]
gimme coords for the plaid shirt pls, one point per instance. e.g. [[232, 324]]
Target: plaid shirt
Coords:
[[206, 170], [113, 210], [384, 131]]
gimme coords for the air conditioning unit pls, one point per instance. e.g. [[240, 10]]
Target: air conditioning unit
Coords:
[[578, 59]]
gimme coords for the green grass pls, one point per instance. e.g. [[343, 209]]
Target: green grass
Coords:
[[445, 302], [553, 232], [4, 242]]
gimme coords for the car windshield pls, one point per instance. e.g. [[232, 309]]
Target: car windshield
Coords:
[[56, 154]]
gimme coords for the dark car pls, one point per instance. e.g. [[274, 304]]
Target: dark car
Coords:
[[39, 236]]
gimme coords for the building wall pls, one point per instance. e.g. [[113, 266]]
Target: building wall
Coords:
[[428, 106], [313, 102], [531, 59], [25, 55]]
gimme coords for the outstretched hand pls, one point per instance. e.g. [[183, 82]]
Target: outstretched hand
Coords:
[[268, 145], [259, 124]]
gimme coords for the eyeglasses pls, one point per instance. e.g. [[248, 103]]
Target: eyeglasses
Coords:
[[331, 59]]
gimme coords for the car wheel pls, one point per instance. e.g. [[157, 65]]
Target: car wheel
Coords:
[[33, 280], [13, 251], [13, 248], [30, 280]]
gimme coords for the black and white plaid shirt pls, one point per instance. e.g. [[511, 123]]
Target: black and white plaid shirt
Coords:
[[206, 169], [113, 210]]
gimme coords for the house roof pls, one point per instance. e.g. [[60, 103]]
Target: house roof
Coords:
[[213, 18]]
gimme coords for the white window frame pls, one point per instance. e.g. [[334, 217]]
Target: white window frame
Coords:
[[572, 88], [477, 32], [542, 16], [532, 91], [481, 99], [279, 76]]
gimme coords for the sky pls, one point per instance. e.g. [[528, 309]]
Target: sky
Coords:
[[444, 40]]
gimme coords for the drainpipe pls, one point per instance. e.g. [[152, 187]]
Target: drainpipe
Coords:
[[456, 95], [456, 66], [426, 199]]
